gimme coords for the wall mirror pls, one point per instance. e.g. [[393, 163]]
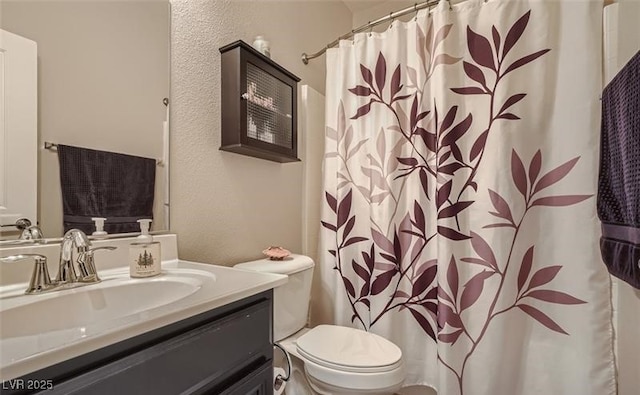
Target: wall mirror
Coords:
[[102, 84]]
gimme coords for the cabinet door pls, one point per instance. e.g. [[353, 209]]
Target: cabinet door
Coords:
[[259, 105], [257, 383], [206, 357]]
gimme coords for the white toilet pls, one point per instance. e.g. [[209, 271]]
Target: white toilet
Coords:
[[336, 360]]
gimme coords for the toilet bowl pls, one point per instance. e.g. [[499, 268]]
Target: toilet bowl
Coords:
[[327, 359], [341, 360]]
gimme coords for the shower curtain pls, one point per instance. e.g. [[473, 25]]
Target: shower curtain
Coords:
[[458, 210]]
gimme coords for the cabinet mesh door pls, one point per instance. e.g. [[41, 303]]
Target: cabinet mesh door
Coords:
[[269, 107]]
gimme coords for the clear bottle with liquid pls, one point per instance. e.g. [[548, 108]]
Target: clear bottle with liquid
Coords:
[[144, 254]]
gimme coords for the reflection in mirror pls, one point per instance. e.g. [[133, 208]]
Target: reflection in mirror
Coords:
[[102, 77]]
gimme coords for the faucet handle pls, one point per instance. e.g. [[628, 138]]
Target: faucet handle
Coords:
[[19, 257], [40, 279], [86, 264]]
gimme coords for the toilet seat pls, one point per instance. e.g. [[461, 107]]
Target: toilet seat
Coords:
[[350, 358], [349, 382], [349, 349]]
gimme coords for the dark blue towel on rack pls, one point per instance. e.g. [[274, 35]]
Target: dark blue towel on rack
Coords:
[[105, 184], [619, 179]]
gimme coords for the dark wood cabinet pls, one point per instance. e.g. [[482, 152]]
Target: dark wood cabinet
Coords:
[[257, 383], [259, 105], [224, 351]]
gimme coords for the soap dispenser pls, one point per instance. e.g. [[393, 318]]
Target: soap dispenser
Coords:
[[144, 253], [99, 224]]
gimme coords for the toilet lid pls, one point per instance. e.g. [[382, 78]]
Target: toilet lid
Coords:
[[349, 349]]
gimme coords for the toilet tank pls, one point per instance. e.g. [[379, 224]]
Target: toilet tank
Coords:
[[291, 300]]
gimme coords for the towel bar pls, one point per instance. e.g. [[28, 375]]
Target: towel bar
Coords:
[[54, 147]]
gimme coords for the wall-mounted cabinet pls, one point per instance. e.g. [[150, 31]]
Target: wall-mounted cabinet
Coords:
[[259, 105]]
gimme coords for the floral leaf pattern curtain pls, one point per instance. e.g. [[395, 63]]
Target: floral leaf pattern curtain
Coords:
[[459, 176]]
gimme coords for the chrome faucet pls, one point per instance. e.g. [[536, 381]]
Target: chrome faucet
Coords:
[[67, 276], [32, 232], [27, 230], [73, 238]]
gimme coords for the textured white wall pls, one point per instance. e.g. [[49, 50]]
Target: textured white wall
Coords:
[[366, 15], [226, 207]]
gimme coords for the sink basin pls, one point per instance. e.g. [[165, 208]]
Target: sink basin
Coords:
[[80, 307]]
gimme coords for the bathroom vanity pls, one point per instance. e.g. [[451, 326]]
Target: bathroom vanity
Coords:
[[195, 329], [223, 351]]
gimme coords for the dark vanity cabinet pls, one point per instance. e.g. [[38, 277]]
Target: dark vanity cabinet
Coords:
[[227, 351], [259, 105]]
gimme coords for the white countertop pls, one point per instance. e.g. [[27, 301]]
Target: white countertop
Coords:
[[20, 355]]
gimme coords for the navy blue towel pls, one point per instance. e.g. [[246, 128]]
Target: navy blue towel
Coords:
[[105, 184], [619, 179]]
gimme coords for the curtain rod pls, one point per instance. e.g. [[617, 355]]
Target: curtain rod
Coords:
[[414, 8]]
